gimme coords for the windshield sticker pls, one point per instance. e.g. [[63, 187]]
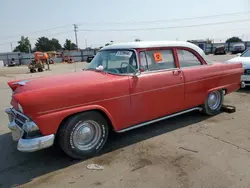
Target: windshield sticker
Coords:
[[124, 53], [158, 57]]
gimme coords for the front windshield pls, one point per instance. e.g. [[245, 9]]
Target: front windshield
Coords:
[[114, 61], [246, 53]]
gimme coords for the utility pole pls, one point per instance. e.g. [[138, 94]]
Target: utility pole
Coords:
[[75, 30], [11, 47]]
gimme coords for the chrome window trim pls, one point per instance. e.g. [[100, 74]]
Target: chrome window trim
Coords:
[[202, 65], [161, 70], [137, 61]]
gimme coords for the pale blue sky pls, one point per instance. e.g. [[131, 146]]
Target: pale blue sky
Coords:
[[28, 16]]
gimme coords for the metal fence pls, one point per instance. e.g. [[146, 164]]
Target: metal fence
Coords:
[[26, 58], [210, 48]]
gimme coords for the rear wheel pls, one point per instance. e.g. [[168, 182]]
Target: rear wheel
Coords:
[[83, 135], [213, 103]]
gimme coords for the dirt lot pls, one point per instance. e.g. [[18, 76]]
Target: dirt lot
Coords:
[[191, 150]]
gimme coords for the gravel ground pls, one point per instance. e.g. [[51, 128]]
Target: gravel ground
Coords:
[[191, 150]]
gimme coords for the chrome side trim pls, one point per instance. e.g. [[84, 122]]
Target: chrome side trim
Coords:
[[159, 119], [112, 98]]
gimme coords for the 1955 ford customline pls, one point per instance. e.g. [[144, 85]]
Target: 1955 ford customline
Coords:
[[125, 86]]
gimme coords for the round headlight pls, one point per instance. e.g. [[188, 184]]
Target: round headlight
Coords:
[[20, 108]]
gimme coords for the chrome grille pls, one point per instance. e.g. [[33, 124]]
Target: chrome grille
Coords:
[[19, 119]]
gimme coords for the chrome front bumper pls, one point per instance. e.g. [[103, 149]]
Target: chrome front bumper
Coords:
[[27, 144]]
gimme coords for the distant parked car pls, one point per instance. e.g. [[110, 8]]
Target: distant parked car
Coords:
[[89, 58], [243, 58], [126, 86], [238, 48], [220, 50], [12, 63]]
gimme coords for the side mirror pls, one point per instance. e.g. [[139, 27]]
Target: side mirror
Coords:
[[136, 73], [239, 54]]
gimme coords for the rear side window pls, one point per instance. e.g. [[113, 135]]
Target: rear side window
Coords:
[[157, 60], [187, 59]]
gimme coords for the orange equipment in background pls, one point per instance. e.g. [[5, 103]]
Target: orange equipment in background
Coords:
[[45, 56], [41, 56]]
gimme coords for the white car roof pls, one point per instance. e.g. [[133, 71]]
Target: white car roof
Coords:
[[153, 44]]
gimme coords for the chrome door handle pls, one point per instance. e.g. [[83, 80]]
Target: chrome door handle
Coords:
[[176, 72]]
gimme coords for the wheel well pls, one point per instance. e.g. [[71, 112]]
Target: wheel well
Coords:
[[224, 91], [96, 110]]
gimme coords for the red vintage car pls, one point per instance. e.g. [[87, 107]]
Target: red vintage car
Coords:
[[125, 86]]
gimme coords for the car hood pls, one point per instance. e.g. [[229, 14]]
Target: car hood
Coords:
[[84, 77], [244, 60]]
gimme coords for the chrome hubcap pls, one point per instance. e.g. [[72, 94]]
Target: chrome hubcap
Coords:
[[87, 135], [214, 100]]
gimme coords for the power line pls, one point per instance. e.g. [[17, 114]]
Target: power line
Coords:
[[137, 29], [32, 39], [134, 22], [38, 31], [170, 20], [162, 28], [137, 22]]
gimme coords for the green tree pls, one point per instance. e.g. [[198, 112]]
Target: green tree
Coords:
[[45, 44], [68, 45], [233, 39], [23, 45], [55, 44]]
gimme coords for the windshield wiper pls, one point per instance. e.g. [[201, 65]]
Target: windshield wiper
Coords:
[[89, 69]]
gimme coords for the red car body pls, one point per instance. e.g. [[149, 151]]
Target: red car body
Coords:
[[125, 100]]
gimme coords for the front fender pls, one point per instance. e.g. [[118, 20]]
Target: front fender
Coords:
[[49, 123]]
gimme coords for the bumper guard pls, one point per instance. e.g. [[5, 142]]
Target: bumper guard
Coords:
[[27, 144]]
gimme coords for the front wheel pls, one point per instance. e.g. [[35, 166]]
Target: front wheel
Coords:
[[213, 103], [83, 135]]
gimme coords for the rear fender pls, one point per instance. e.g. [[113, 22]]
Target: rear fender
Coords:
[[226, 88], [216, 89], [49, 123]]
